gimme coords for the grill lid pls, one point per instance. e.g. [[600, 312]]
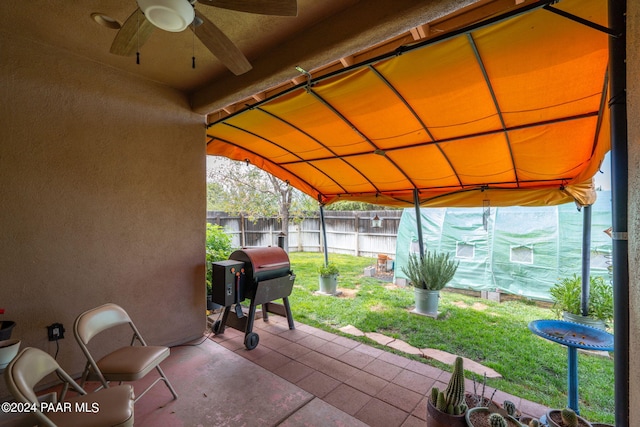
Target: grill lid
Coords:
[[263, 263]]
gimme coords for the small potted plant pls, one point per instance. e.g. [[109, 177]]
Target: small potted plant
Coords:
[[429, 275], [328, 278], [567, 295], [565, 418], [484, 417], [478, 398], [447, 408]]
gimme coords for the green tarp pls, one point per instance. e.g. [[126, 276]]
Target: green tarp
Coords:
[[522, 250]]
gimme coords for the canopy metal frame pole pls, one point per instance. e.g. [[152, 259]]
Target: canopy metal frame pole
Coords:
[[323, 226], [416, 202], [619, 200], [586, 259]]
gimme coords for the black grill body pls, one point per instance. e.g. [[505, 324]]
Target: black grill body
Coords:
[[223, 274], [261, 274]]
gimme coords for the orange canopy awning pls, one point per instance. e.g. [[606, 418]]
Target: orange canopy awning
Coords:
[[513, 112]]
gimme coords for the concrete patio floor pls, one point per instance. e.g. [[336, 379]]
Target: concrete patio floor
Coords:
[[300, 377]]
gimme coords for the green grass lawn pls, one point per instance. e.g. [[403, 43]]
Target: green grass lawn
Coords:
[[491, 333]]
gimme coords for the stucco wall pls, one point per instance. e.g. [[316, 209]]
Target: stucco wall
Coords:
[[633, 112], [103, 199]]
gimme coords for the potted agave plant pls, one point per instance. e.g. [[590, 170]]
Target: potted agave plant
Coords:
[[447, 408], [429, 275]]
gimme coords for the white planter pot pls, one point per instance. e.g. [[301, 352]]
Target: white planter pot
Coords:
[[8, 350], [589, 321], [328, 284], [426, 301]]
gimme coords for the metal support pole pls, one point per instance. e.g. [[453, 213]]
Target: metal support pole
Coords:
[[416, 201], [572, 379], [323, 226], [586, 259], [356, 223], [619, 185], [243, 237]]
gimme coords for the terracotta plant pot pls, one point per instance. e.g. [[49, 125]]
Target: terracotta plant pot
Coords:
[[554, 419], [436, 418]]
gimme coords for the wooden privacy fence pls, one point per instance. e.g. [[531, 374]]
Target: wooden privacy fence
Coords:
[[348, 232]]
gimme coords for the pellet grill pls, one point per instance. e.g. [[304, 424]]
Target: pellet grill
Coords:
[[260, 274]]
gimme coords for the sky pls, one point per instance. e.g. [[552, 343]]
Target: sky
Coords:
[[603, 178]]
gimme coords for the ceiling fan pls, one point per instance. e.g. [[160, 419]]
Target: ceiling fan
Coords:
[[177, 15]]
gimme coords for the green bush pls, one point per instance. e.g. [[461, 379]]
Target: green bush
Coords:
[[601, 299], [328, 270], [567, 296], [218, 248], [218, 243]]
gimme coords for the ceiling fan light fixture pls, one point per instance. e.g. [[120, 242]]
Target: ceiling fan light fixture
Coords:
[[168, 15], [105, 21]]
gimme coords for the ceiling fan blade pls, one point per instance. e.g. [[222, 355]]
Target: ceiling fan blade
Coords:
[[221, 47], [261, 7], [133, 34]]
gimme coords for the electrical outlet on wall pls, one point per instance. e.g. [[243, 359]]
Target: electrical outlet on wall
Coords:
[[55, 331]]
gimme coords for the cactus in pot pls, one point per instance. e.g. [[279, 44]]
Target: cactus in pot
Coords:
[[446, 408], [451, 400], [483, 416], [497, 420], [569, 417], [566, 417], [510, 407]]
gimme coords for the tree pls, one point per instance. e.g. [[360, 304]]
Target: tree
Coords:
[[240, 188]]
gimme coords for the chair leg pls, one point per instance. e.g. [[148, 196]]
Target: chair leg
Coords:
[[166, 381], [162, 377], [85, 375], [85, 378]]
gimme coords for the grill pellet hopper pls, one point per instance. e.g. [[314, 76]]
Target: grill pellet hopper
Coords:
[[262, 275]]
